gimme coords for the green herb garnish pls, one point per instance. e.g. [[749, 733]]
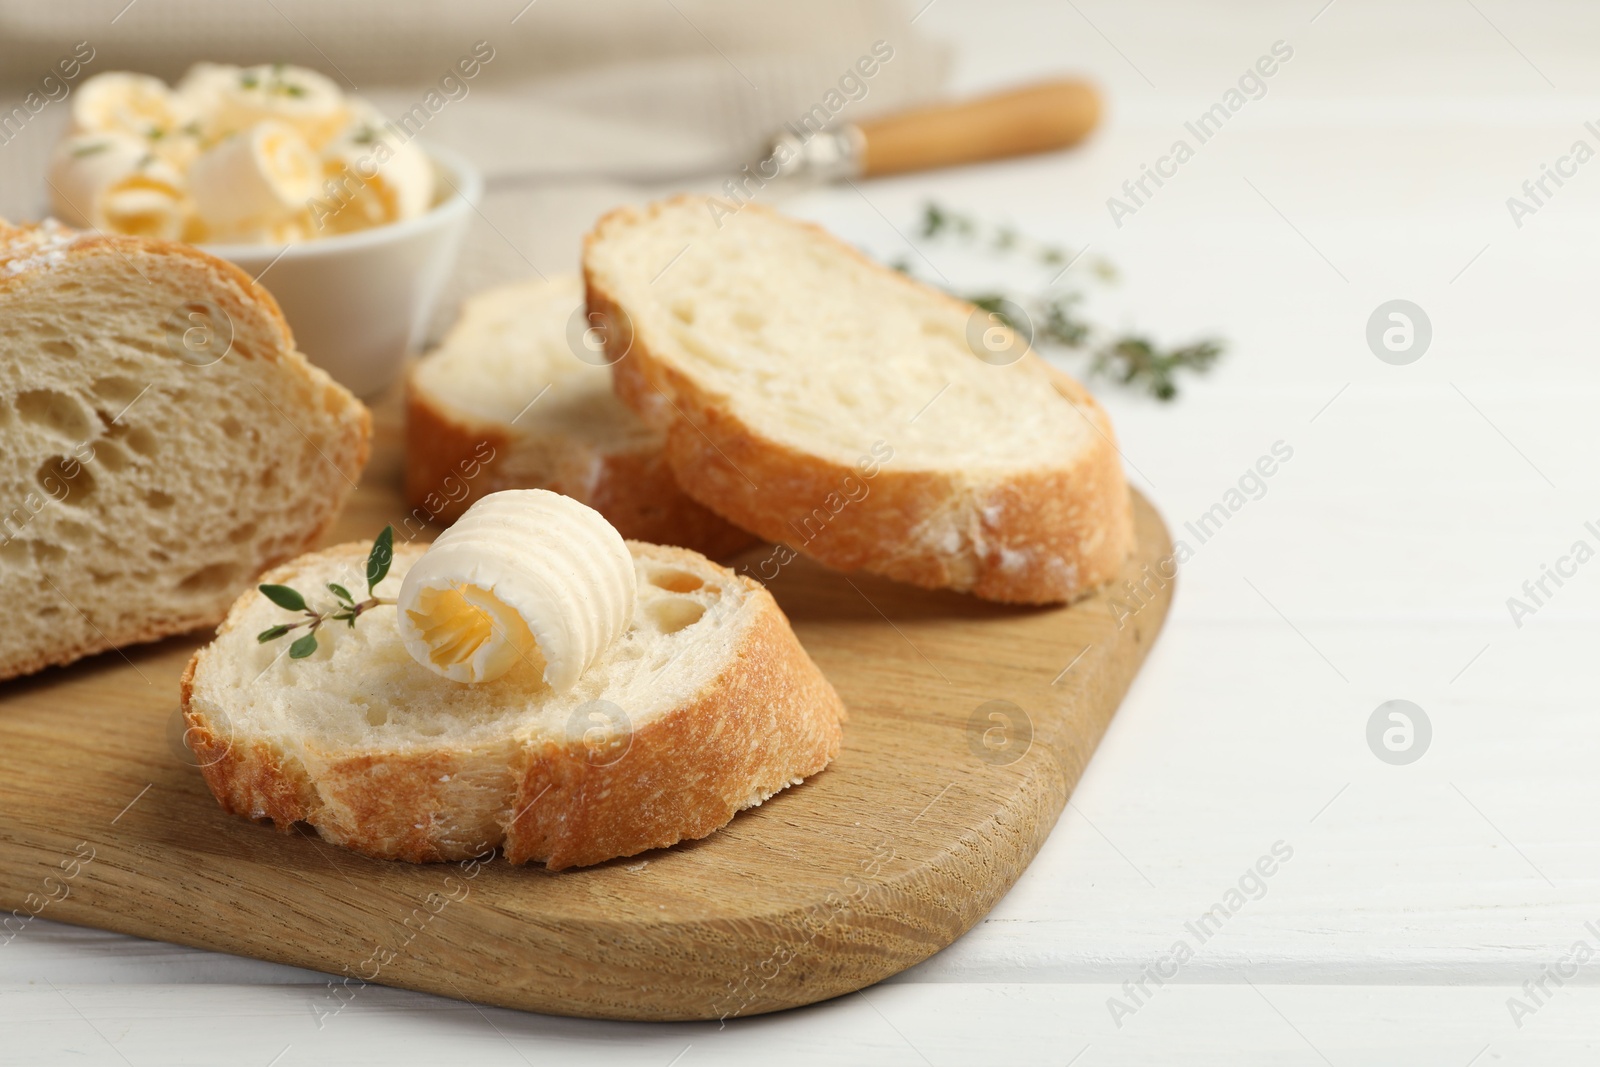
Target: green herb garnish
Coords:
[[276, 83], [346, 610], [1129, 359]]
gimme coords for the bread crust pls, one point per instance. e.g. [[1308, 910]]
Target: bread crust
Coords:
[[453, 458], [767, 720], [1047, 535], [269, 340]]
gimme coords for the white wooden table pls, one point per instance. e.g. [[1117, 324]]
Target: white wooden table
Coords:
[[1376, 566]]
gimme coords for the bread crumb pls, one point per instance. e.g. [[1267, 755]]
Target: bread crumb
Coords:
[[636, 867]]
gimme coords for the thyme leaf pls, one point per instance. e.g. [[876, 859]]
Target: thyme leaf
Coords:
[[284, 597], [380, 557]]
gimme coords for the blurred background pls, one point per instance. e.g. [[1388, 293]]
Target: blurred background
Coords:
[[580, 103], [1416, 103]]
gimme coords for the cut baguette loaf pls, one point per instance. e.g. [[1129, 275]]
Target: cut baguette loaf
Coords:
[[707, 705], [818, 399], [142, 483], [504, 403]]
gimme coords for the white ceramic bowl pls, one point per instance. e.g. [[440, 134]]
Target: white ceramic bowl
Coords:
[[359, 302]]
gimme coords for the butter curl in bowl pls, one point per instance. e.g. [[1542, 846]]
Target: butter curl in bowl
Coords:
[[270, 154], [340, 213]]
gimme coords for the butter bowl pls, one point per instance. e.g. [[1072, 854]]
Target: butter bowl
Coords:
[[359, 302]]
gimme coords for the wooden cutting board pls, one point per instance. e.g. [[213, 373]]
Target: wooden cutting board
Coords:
[[970, 724]]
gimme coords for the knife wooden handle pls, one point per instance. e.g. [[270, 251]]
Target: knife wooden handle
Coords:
[[1039, 118]]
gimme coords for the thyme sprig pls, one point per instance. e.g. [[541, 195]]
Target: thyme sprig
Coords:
[[1053, 314], [939, 222], [347, 609]]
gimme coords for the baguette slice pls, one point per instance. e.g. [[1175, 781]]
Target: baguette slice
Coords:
[[707, 705], [503, 403], [141, 483], [818, 399]]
